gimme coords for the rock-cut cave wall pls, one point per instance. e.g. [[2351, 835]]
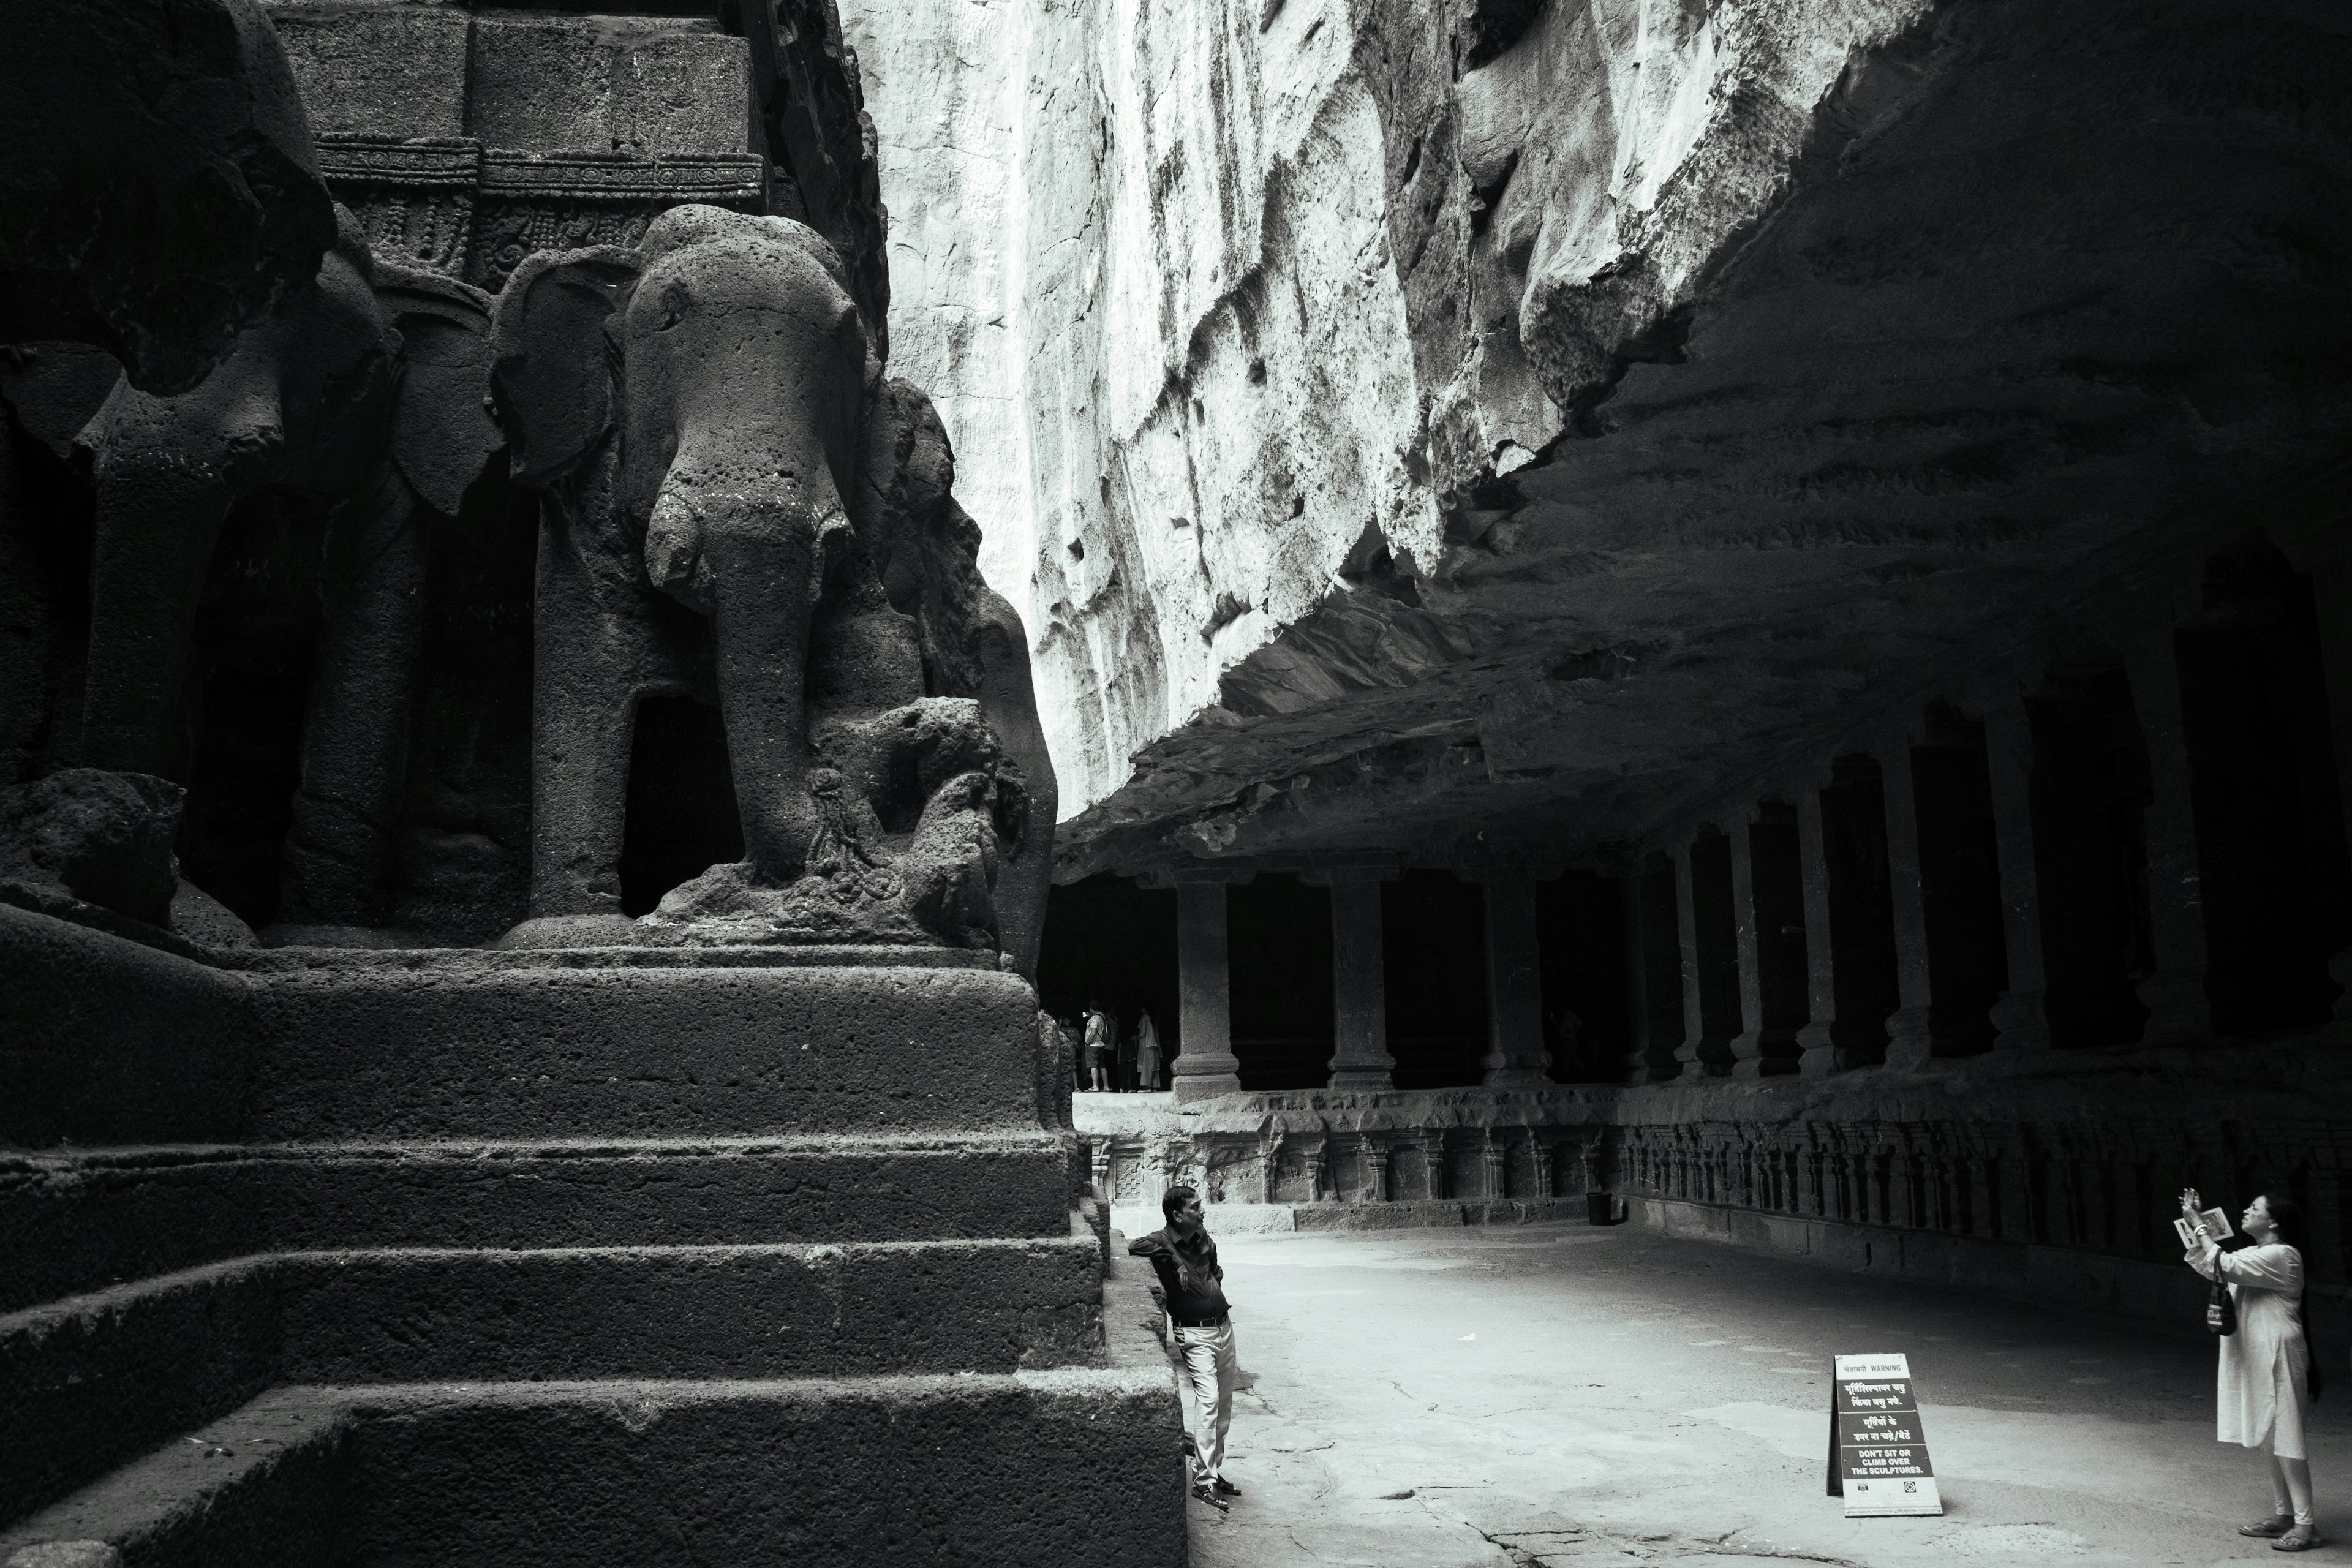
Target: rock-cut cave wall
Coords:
[[1225, 303]]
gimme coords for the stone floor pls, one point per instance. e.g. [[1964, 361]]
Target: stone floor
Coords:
[[1559, 1394]]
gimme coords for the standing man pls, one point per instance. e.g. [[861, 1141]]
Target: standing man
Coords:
[[1193, 1283], [1098, 1049]]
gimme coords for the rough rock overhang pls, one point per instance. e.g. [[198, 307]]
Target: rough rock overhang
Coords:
[[2048, 292]]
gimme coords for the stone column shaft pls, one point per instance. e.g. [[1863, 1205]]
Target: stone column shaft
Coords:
[[1748, 1045], [2020, 1015], [2175, 993], [1360, 1054], [1515, 1053], [1909, 1037], [1205, 1065], [1818, 1037], [1686, 930]]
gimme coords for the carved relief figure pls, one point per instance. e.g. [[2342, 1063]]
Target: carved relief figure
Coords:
[[739, 508]]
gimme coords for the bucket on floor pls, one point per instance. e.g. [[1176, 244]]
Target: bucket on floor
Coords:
[[1604, 1209]]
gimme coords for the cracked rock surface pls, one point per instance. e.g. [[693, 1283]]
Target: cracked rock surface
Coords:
[[1400, 421]]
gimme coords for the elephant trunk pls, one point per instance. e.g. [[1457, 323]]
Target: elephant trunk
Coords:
[[750, 551], [167, 471]]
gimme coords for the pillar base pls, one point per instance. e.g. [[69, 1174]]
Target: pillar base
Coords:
[[2023, 1021], [1516, 1077], [1914, 1034], [1764, 1053], [1209, 1077], [1362, 1078], [2176, 1008], [1839, 1046]]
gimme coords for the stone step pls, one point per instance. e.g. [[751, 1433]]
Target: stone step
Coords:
[[989, 1469], [113, 1043], [137, 1212], [966, 1466], [88, 1382]]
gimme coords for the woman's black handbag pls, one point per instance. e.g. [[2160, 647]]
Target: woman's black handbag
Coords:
[[2221, 1311]]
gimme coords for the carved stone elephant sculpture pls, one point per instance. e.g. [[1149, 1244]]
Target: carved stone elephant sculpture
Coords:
[[361, 392], [738, 508]]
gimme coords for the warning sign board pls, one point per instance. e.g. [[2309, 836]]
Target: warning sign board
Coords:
[[1878, 1452]]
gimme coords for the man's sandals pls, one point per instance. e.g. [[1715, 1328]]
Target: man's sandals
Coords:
[[1207, 1493]]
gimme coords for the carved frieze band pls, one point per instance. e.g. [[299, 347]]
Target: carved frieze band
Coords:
[[457, 207]]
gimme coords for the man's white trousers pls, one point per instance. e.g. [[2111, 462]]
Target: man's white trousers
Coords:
[[1210, 1368]]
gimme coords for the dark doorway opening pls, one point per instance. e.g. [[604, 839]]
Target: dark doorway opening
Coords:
[[2091, 791], [682, 818], [1659, 1020], [1587, 1014], [1108, 940], [1863, 983], [1278, 933], [2270, 824], [256, 640], [1959, 881], [1776, 885], [1433, 931]]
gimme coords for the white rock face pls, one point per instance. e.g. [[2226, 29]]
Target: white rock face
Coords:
[[1237, 310]]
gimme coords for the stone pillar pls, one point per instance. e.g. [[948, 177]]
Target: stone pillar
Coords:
[[1496, 1155], [1359, 1054], [1101, 1164], [1376, 1171], [1516, 1052], [1540, 1161], [2019, 1015], [1764, 898], [1688, 1053], [1818, 1040], [1748, 1045], [1910, 1036], [1432, 1161], [2175, 993], [2331, 590], [1205, 1065]]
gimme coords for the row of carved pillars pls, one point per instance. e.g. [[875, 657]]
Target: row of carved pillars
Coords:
[[2095, 1187], [1207, 1067], [2127, 848], [1509, 1165]]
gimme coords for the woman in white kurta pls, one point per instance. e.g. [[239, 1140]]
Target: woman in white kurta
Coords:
[[1147, 1055], [2266, 1363]]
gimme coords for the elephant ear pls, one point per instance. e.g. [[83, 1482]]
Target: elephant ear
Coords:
[[552, 379], [441, 432]]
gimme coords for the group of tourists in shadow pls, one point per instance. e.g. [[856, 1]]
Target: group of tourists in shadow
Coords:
[[1112, 1060]]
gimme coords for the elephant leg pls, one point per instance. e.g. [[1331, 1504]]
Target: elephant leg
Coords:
[[159, 520], [587, 657], [765, 580], [355, 734]]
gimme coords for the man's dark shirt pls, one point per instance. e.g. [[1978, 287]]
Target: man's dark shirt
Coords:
[[1188, 1274]]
